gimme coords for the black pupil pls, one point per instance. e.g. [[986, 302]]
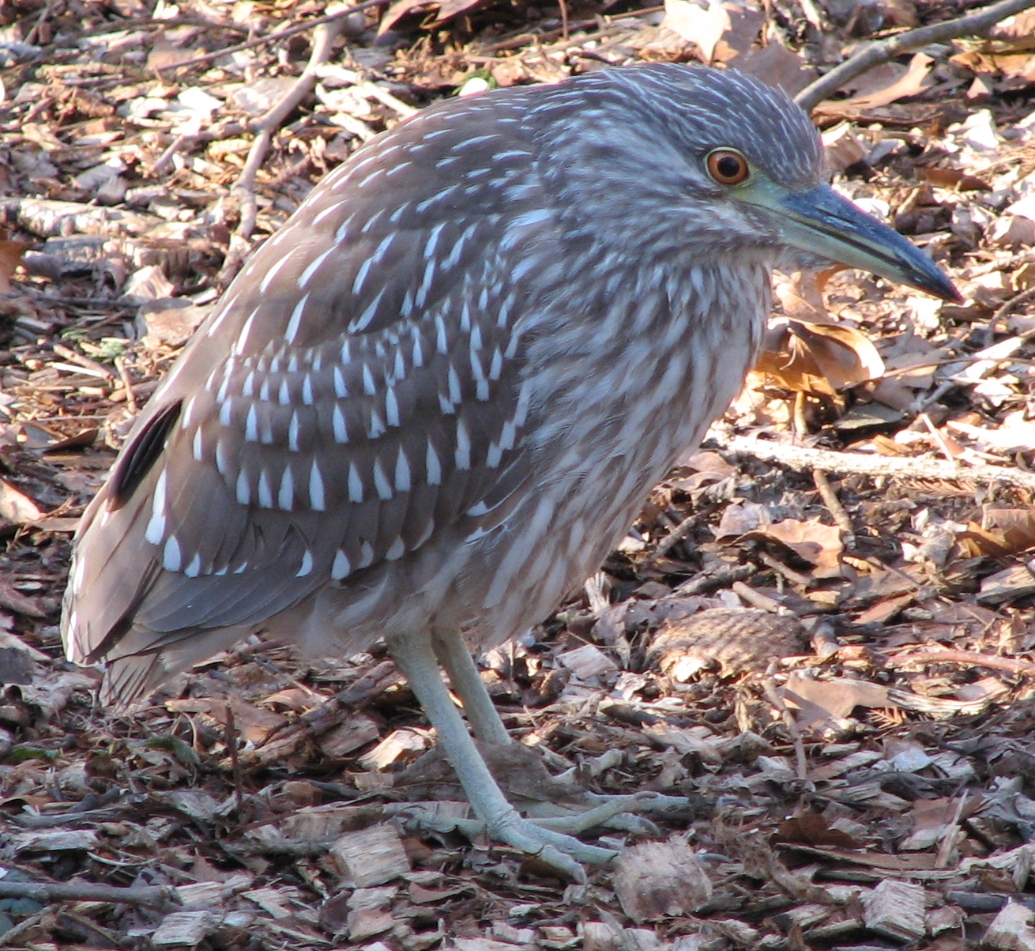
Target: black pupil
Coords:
[[729, 166]]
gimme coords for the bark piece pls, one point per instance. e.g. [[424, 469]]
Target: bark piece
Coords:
[[185, 929], [660, 880], [371, 856], [895, 910], [1012, 929]]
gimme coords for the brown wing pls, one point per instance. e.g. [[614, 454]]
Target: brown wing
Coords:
[[358, 392]]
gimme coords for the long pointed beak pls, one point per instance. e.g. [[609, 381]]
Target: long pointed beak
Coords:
[[819, 221]]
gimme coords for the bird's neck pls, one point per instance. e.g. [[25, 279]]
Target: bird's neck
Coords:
[[647, 366]]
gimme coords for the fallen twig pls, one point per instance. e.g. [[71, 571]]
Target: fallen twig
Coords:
[[1005, 309], [671, 539], [834, 507], [47, 892], [244, 189], [929, 655], [804, 459], [772, 693], [127, 385], [883, 51], [279, 35]]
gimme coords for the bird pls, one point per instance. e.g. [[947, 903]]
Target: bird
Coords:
[[430, 405]]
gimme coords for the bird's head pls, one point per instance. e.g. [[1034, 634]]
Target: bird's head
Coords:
[[718, 163]]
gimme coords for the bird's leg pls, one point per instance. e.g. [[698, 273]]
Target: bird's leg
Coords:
[[415, 658], [614, 812], [479, 709]]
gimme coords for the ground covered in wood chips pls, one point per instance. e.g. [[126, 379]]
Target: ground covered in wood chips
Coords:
[[820, 631]]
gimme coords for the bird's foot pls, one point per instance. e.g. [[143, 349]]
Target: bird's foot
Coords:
[[551, 839], [555, 848], [619, 813]]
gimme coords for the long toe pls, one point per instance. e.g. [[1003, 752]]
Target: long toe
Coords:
[[609, 812], [556, 849], [562, 852]]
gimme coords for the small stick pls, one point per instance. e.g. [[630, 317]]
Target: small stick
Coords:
[[279, 35], [244, 189], [1015, 301], [235, 763], [672, 538], [759, 600], [991, 661], [883, 51], [773, 695], [803, 459], [801, 427], [950, 835], [127, 385], [47, 892], [834, 507], [796, 577], [99, 369]]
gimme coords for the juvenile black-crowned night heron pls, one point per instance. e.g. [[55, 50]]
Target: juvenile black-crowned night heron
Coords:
[[434, 401]]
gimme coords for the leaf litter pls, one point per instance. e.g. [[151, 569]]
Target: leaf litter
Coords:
[[832, 659]]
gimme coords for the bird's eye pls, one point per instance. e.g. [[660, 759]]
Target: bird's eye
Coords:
[[727, 166]]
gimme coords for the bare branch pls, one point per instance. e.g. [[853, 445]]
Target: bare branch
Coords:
[[48, 892], [244, 189], [803, 459], [884, 50]]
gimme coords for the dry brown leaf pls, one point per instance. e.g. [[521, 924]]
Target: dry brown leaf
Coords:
[[913, 82], [955, 178], [899, 13], [12, 598], [843, 147], [452, 8], [818, 358], [775, 65], [885, 609], [812, 829], [1011, 65], [741, 517], [709, 468], [164, 55], [933, 818], [746, 23], [1010, 531], [801, 297], [445, 11], [1014, 434], [1018, 31], [812, 541], [252, 723], [10, 257], [834, 699], [1016, 525], [16, 506]]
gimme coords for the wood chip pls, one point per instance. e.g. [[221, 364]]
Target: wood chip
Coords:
[[587, 662], [660, 879], [399, 746], [371, 856], [1012, 929], [895, 910], [185, 929], [349, 736], [70, 840]]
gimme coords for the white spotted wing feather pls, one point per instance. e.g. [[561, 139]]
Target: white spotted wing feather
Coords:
[[347, 403]]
